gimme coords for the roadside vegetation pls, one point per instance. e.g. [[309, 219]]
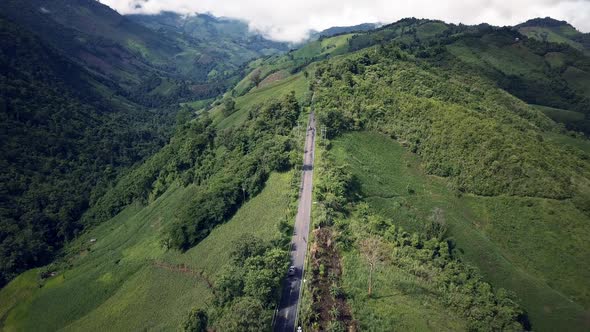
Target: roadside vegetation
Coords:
[[380, 275], [152, 223], [446, 139]]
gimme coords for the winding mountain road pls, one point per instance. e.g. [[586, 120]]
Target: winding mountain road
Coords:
[[287, 311]]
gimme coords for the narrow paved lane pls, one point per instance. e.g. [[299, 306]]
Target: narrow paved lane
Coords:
[[287, 311]]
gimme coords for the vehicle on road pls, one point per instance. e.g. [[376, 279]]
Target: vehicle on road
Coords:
[[291, 271]]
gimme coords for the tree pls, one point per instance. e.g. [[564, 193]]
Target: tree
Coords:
[[372, 251], [196, 322], [245, 315], [247, 246], [437, 226], [229, 286], [255, 77], [229, 106]]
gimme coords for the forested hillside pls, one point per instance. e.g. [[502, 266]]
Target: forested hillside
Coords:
[[62, 144], [224, 44], [452, 183], [503, 187], [151, 59], [87, 94], [181, 214]]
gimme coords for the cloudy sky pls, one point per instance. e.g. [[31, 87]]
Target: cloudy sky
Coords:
[[290, 20]]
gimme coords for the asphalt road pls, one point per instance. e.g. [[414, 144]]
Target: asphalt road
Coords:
[[287, 310]]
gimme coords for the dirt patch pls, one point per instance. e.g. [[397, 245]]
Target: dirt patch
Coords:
[[329, 301], [279, 75], [185, 269]]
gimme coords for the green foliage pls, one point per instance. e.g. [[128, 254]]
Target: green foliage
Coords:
[[126, 280], [436, 227], [550, 30], [484, 139], [196, 322], [427, 258], [229, 106], [246, 292], [533, 247], [249, 102], [527, 70], [245, 314], [62, 144], [252, 150], [175, 161]]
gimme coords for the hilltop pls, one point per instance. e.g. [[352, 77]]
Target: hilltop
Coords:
[[452, 169], [551, 30]]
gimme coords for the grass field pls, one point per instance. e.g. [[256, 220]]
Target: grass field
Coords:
[[327, 46], [198, 104], [126, 281], [430, 29], [534, 247], [284, 64], [275, 90], [510, 59], [562, 35], [560, 115], [400, 302], [569, 141]]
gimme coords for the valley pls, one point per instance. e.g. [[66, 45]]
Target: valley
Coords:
[[153, 179]]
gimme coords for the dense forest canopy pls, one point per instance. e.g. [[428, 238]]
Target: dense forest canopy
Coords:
[[62, 144]]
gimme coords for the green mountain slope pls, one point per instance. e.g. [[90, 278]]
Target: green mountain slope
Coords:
[[224, 41], [87, 94], [126, 281], [539, 73], [515, 203], [196, 56], [98, 38], [550, 30], [444, 185], [62, 143], [542, 73], [179, 216], [334, 31]]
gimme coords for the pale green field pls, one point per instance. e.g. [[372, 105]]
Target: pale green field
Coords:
[[328, 46], [126, 281], [316, 50], [559, 36], [532, 246], [275, 90], [560, 115]]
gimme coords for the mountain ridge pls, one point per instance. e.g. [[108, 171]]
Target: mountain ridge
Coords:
[[448, 145]]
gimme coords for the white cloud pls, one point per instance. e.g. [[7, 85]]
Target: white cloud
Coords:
[[290, 20]]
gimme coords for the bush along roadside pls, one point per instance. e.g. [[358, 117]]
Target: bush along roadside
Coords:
[[347, 227]]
